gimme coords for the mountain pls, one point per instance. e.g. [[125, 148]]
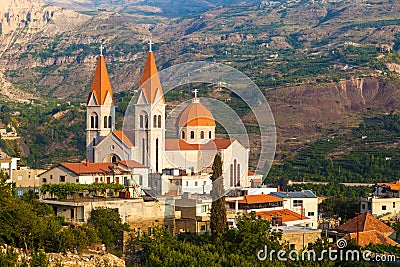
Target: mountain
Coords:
[[324, 65]]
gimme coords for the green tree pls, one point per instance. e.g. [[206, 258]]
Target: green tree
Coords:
[[218, 206], [109, 227]]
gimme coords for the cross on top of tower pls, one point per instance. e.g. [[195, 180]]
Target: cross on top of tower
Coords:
[[150, 43], [101, 49], [195, 91], [195, 99]]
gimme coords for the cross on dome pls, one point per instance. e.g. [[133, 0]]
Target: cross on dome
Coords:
[[195, 99], [150, 43], [101, 49]]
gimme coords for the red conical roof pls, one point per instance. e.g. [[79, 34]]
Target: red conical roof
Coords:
[[150, 83], [101, 85]]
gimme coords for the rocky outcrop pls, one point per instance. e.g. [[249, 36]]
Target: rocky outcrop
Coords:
[[85, 260], [34, 16], [302, 110]]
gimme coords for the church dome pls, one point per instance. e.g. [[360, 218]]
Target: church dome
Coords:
[[195, 115]]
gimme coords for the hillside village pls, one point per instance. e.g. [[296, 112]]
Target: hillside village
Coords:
[[153, 182]]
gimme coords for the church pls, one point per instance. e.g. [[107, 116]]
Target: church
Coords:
[[175, 165]]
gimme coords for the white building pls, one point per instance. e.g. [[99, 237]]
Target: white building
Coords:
[[385, 200], [304, 202], [193, 149], [121, 172]]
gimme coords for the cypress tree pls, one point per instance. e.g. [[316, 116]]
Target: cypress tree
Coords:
[[218, 208]]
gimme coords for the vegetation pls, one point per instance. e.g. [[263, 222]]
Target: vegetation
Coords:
[[108, 224], [365, 154], [218, 206], [62, 191]]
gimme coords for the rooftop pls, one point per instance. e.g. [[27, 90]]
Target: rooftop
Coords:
[[371, 237], [285, 214], [179, 144], [302, 194], [254, 199], [394, 186], [366, 222]]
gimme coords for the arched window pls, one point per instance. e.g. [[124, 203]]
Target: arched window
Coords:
[[94, 121], [155, 121], [156, 154], [202, 135], [105, 121], [109, 122], [209, 135], [238, 175], [146, 122], [159, 121], [191, 134], [183, 134], [231, 175], [234, 172], [141, 121], [114, 158]]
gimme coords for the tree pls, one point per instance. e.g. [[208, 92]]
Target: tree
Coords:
[[218, 206], [109, 227]]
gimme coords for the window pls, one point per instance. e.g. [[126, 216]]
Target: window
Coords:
[[177, 183], [117, 180], [204, 183], [155, 121], [204, 208], [51, 177], [187, 183], [209, 135], [77, 181], [159, 121], [20, 192], [109, 122], [146, 122], [203, 228], [196, 183], [105, 122], [44, 180], [96, 180], [394, 205], [310, 213], [297, 203], [202, 135], [191, 134], [141, 121], [292, 246], [94, 121], [183, 134], [363, 206], [140, 180], [62, 178], [108, 180], [383, 207]]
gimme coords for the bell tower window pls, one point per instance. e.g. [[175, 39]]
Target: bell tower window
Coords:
[[155, 121], [141, 121], [94, 121], [105, 121], [159, 121]]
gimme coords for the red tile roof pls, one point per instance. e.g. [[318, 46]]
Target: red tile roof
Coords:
[[101, 85], [90, 168], [179, 144], [371, 237], [395, 186], [81, 168], [123, 137], [285, 214], [366, 222], [254, 199]]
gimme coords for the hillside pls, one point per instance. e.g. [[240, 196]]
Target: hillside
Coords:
[[324, 66]]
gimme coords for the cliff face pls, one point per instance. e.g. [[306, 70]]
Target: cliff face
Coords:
[[34, 16], [303, 110]]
